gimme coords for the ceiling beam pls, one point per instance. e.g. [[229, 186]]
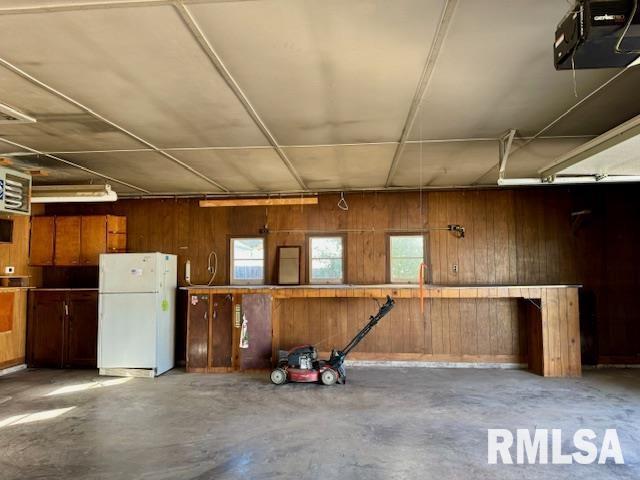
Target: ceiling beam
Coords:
[[425, 79], [219, 65], [264, 147], [98, 5], [58, 93], [72, 164]]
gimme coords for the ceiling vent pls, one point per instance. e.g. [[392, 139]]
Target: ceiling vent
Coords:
[[10, 115], [15, 192]]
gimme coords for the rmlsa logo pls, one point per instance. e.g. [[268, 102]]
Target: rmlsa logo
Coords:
[[535, 449]]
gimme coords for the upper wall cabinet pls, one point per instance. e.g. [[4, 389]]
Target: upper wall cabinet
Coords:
[[42, 240], [76, 240]]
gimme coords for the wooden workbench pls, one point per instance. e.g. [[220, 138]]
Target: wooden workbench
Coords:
[[550, 313]]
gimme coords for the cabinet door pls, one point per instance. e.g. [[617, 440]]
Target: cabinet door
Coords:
[[42, 235], [93, 239], [221, 330], [256, 308], [82, 329], [198, 332], [67, 250], [45, 330], [116, 234]]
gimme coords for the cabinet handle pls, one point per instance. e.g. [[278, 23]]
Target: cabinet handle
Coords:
[[66, 309]]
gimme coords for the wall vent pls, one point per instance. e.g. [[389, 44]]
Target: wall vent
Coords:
[[15, 192], [11, 115]]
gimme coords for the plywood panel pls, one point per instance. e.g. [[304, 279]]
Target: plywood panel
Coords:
[[7, 301]]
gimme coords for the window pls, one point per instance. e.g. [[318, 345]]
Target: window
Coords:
[[326, 260], [406, 255], [247, 261]]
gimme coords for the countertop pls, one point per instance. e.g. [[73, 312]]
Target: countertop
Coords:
[[384, 286], [44, 289]]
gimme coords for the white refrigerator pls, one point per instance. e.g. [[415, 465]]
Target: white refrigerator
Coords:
[[136, 322]]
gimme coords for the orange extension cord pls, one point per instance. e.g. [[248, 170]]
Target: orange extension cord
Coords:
[[421, 274]]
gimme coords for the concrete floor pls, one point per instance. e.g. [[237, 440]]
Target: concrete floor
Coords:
[[384, 424]]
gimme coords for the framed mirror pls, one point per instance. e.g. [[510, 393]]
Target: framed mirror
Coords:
[[289, 265]]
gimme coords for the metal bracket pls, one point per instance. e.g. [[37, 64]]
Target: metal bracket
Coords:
[[505, 143]]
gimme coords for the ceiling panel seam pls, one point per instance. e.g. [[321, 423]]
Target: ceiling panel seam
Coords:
[[216, 61], [540, 132], [323, 145], [72, 164], [423, 84], [88, 110], [97, 5]]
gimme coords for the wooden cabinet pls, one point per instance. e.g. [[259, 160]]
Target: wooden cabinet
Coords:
[[76, 240], [62, 329], [42, 240], [209, 333]]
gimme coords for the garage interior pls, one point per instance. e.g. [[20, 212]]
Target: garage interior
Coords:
[[295, 164]]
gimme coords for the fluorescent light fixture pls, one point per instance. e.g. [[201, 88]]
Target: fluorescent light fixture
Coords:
[[12, 116], [72, 193]]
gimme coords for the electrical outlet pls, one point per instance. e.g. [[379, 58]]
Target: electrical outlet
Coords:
[[455, 268]]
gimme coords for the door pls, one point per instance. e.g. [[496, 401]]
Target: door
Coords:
[[256, 308], [128, 273], [198, 332], [221, 330], [45, 331], [127, 330], [82, 329], [93, 239], [42, 240], [67, 241]]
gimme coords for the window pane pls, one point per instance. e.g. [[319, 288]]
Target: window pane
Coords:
[[326, 247], [405, 269], [248, 270], [248, 248], [407, 246], [326, 269]]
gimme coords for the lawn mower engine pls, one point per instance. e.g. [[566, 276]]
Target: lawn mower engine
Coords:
[[301, 364]]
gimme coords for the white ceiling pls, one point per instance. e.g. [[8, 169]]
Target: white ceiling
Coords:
[[124, 89]]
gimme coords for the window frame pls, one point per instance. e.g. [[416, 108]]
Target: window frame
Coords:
[[232, 279], [341, 281], [425, 245]]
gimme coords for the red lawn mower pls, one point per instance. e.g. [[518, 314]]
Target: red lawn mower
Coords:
[[301, 364]]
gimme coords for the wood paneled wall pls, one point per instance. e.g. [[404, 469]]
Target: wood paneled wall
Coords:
[[520, 236], [12, 342], [467, 330]]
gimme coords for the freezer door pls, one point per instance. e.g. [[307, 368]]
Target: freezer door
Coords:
[[129, 273], [127, 330]]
